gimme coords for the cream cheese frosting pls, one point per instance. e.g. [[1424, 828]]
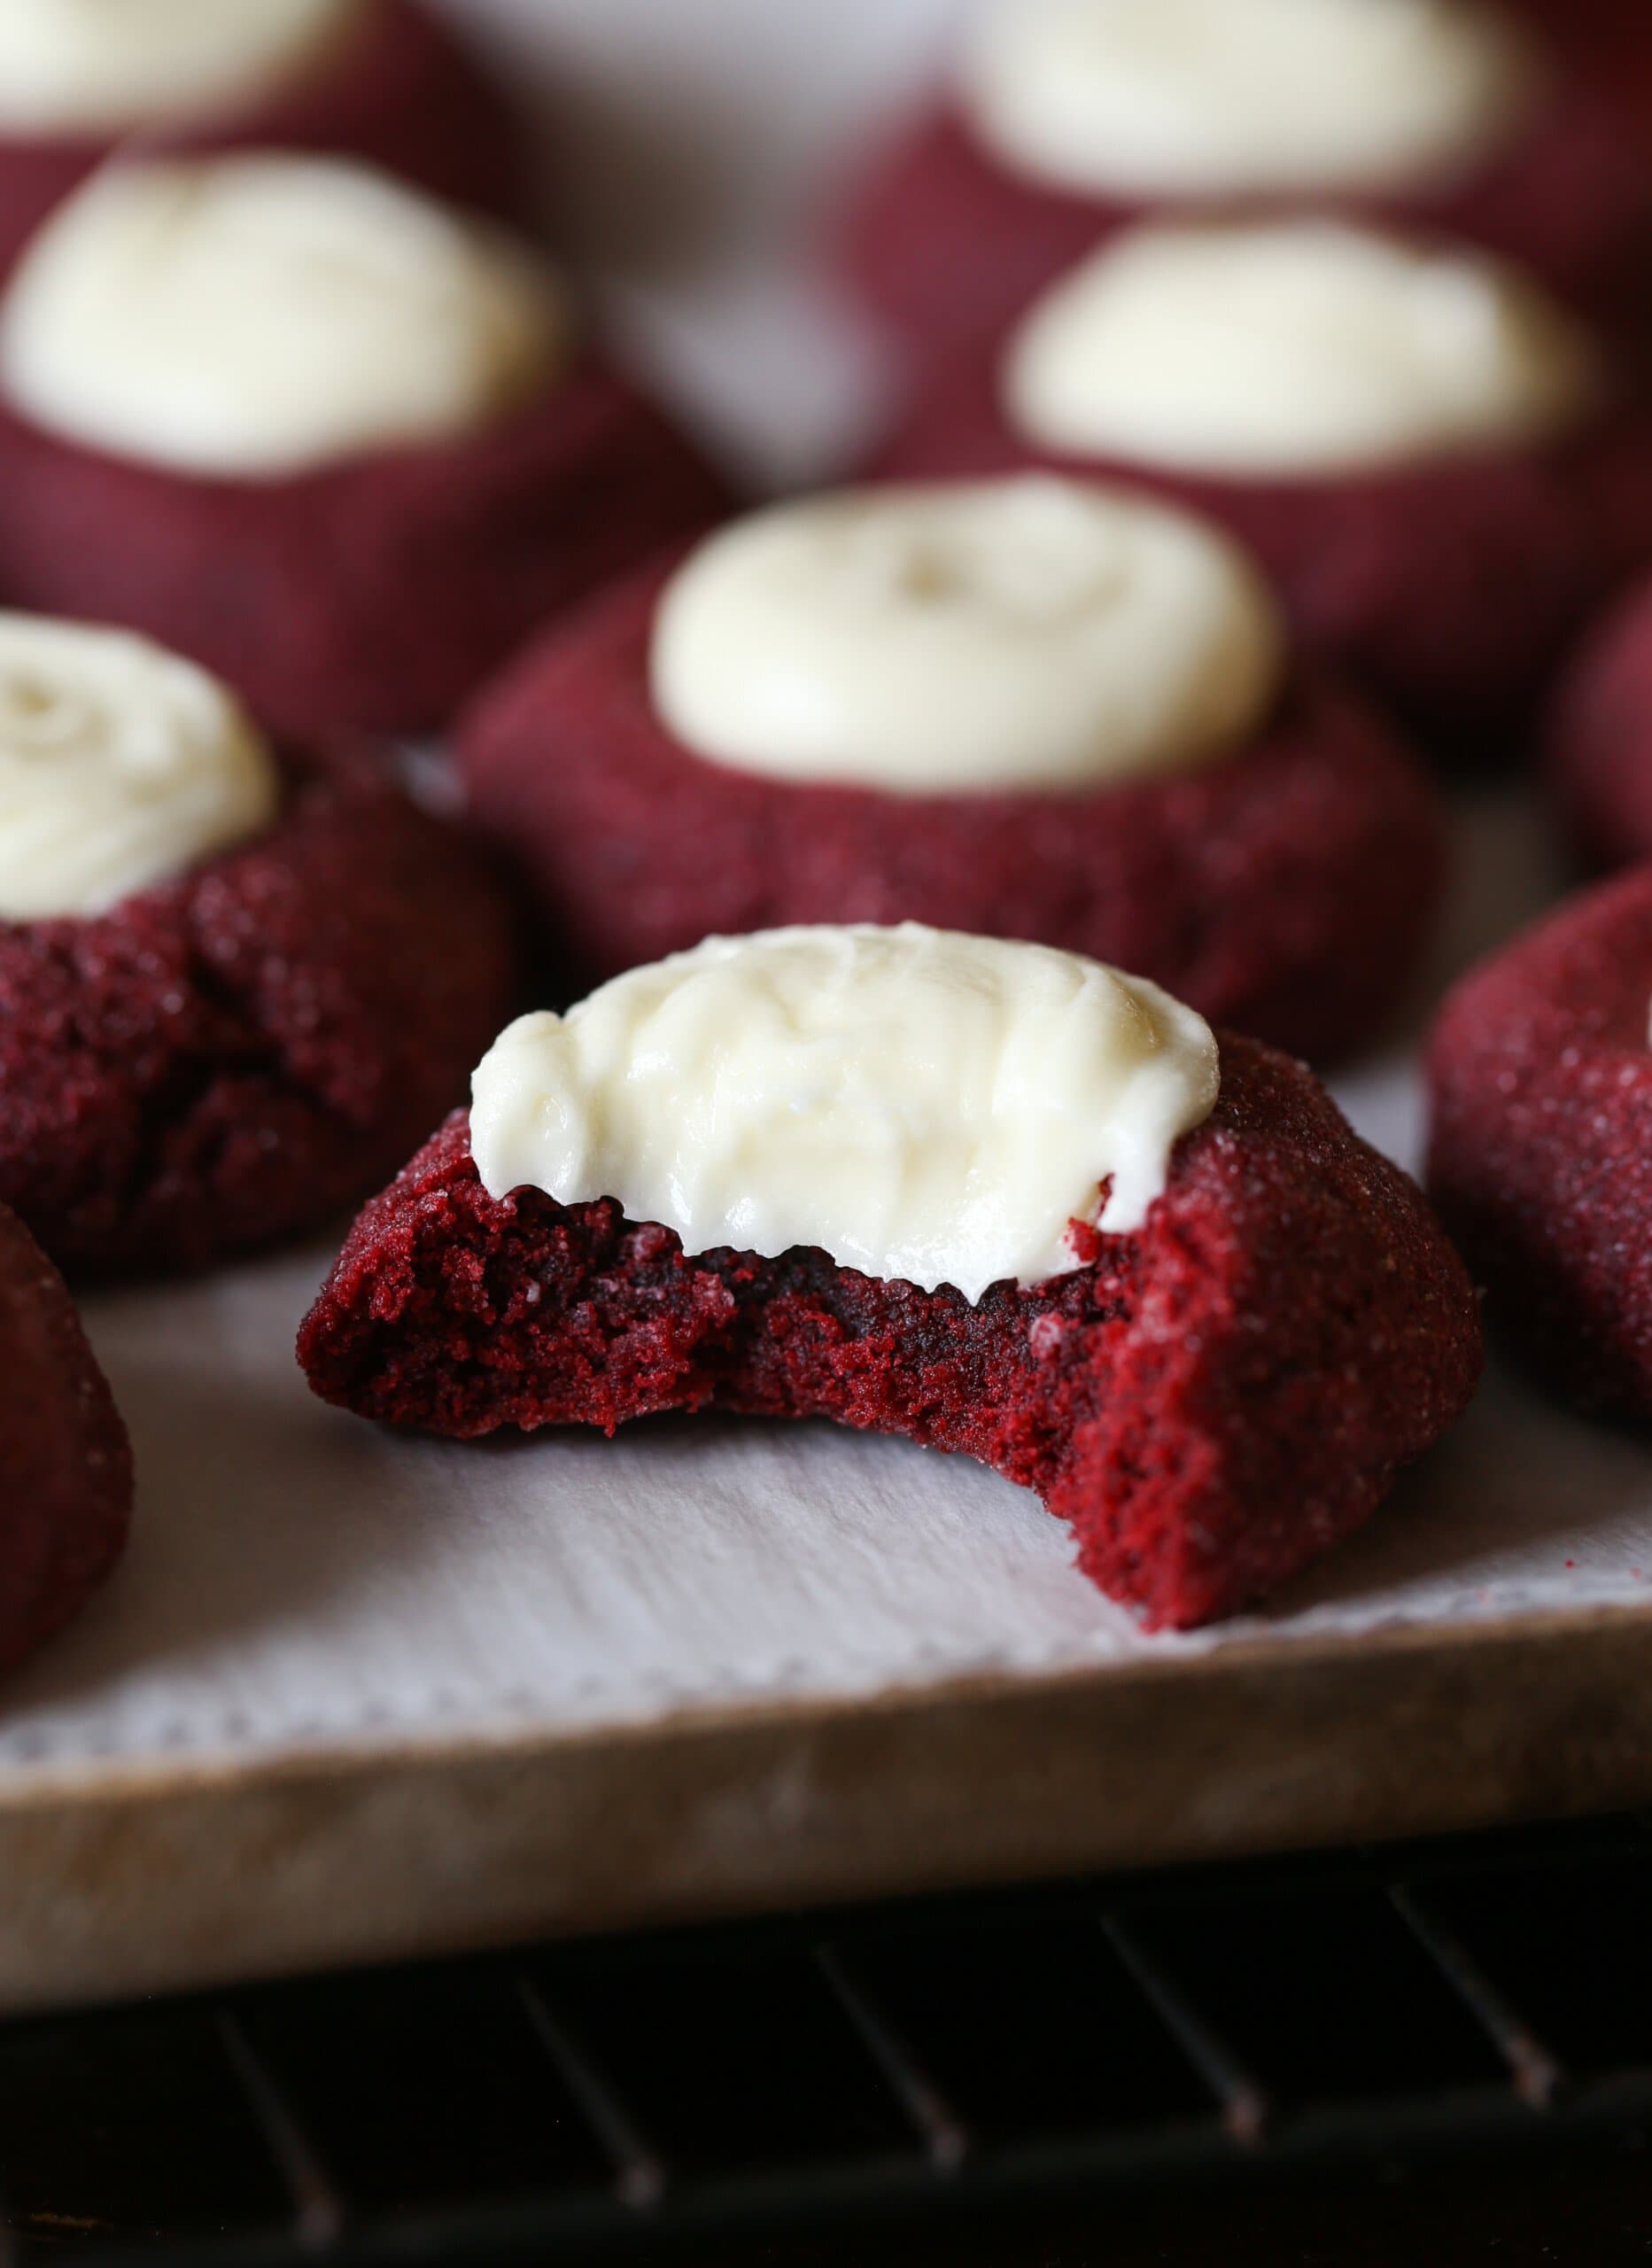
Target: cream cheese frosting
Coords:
[[924, 1107], [1022, 634], [1186, 98], [120, 766], [1295, 348], [257, 316], [106, 67]]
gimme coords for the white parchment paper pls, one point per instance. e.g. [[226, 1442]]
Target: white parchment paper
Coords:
[[298, 1579]]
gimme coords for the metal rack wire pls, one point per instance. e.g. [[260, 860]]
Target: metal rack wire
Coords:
[[624, 2095]]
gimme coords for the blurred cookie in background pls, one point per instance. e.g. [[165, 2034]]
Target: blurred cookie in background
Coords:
[[1440, 466], [1598, 745], [343, 444], [1065, 121], [1026, 708], [382, 81]]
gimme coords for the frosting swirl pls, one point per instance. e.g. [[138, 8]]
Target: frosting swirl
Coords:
[[254, 317], [105, 67], [1144, 100], [1032, 634], [120, 766], [926, 1107], [1293, 348]]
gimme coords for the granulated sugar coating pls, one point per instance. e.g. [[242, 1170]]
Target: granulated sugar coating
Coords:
[[1287, 890], [1211, 1402], [1541, 1157], [228, 1058]]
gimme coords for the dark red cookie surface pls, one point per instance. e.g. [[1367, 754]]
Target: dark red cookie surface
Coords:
[[1541, 1157], [399, 92], [1450, 592], [371, 595], [1604, 37], [1599, 739], [1211, 1403], [223, 1061], [950, 246], [1287, 890], [65, 1464]]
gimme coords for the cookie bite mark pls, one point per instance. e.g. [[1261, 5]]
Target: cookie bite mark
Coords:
[[922, 1104], [1212, 1392], [66, 1464]]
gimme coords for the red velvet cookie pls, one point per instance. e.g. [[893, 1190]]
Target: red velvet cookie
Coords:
[[1211, 1402], [373, 595], [400, 92], [1541, 1157], [949, 247], [1450, 590], [1599, 739], [342, 443], [1287, 889], [228, 1058], [65, 1464]]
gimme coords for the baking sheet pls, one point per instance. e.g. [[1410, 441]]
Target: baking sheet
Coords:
[[303, 1591], [300, 1579]]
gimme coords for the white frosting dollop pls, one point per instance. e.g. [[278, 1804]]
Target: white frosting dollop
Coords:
[[1174, 98], [926, 1109], [256, 316], [1292, 347], [120, 766], [106, 67], [1030, 633]]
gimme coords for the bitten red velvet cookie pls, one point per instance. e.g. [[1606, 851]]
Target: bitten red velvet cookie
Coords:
[[1599, 739], [338, 443], [1541, 1158], [233, 981], [992, 1197], [1073, 120], [65, 1464], [379, 79], [1026, 709], [1424, 452]]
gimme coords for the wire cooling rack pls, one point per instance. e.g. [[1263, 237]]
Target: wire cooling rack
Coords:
[[621, 2097]]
